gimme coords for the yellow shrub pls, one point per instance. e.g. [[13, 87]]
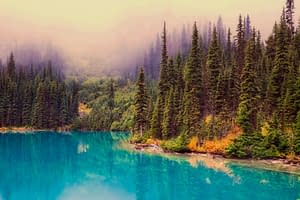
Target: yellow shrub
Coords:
[[83, 109], [208, 119], [265, 129], [193, 145], [216, 146], [153, 141]]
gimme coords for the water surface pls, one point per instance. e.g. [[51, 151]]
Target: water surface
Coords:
[[91, 165]]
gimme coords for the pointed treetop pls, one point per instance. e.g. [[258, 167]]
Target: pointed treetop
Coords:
[[282, 18]]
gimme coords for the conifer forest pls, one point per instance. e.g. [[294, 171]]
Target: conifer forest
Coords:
[[220, 90], [228, 80], [150, 100]]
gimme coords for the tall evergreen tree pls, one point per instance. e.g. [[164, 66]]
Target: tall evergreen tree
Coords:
[[27, 109], [214, 67], [278, 80], [240, 45], [290, 6], [141, 104], [193, 88], [163, 87], [247, 110], [247, 28], [11, 66], [168, 124]]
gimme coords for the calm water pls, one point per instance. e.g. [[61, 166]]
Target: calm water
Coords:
[[92, 166]]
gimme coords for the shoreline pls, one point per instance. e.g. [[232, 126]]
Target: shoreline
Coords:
[[219, 162], [23, 130], [4, 130]]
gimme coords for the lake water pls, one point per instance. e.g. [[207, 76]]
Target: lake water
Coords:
[[91, 165]]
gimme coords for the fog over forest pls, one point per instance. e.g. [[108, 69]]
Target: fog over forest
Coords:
[[100, 37]]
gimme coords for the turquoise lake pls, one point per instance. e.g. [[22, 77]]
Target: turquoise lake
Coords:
[[92, 165]]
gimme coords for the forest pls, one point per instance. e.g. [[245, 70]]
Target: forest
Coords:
[[36, 97], [238, 87], [220, 91]]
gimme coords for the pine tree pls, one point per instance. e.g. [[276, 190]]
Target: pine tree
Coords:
[[247, 28], [168, 124], [12, 111], [289, 15], [240, 45], [246, 117], [193, 88], [180, 84], [289, 107], [271, 47], [178, 93], [233, 88], [27, 108], [171, 74], [53, 105], [155, 125], [228, 50], [214, 67], [3, 98], [163, 85], [296, 43], [38, 119], [63, 107], [141, 104], [11, 67], [163, 88], [278, 80], [221, 94]]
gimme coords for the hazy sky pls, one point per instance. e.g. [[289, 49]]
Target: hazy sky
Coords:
[[93, 31]]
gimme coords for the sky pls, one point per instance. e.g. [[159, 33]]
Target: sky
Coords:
[[107, 33]]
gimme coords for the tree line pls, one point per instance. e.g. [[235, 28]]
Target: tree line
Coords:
[[36, 97], [238, 80]]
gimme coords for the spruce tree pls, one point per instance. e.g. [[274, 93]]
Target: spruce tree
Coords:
[[38, 119], [27, 108], [279, 75], [247, 110], [228, 50], [240, 45], [221, 102], [63, 108], [289, 15], [168, 124], [214, 67], [141, 104], [163, 88], [178, 93], [11, 67], [193, 88], [12, 109], [233, 88]]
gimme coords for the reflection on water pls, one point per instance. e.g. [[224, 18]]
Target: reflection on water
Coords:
[[82, 148], [90, 165]]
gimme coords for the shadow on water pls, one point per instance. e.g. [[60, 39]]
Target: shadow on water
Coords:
[[90, 165]]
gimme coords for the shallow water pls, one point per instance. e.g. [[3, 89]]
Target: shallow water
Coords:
[[91, 165]]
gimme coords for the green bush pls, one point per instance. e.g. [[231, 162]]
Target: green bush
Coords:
[[178, 144], [137, 138], [257, 146]]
